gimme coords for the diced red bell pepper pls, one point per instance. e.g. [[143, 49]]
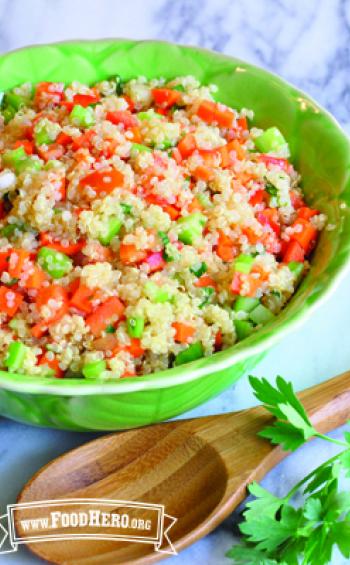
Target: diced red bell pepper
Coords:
[[54, 295], [85, 100], [17, 261], [187, 145], [165, 97], [27, 145], [109, 312], [305, 234], [45, 359], [82, 298], [211, 112], [10, 301], [269, 217], [103, 181], [258, 197], [124, 117], [48, 240], [236, 283], [293, 252], [306, 213]]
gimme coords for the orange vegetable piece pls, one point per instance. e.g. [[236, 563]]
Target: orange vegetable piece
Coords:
[[129, 254], [308, 234], [57, 294], [52, 364], [16, 263], [82, 298], [236, 146], [27, 145], [36, 278], [183, 332], [48, 240], [226, 248], [54, 151], [108, 313], [10, 301], [187, 145], [211, 112], [103, 181], [205, 280], [203, 172], [165, 97]]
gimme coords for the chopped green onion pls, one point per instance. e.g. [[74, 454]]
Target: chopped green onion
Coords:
[[135, 326], [191, 228], [243, 329], [191, 353], [243, 263], [170, 253], [127, 208], [112, 229], [245, 304], [118, 85], [271, 189], [208, 292], [110, 329], [82, 117], [55, 263], [94, 369], [261, 315], [178, 87], [157, 293], [271, 141], [15, 355], [164, 237], [199, 269]]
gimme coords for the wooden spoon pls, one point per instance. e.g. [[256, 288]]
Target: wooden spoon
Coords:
[[198, 469]]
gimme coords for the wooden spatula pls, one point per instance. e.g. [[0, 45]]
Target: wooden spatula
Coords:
[[198, 469]]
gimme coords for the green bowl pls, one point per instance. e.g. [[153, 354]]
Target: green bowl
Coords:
[[320, 151]]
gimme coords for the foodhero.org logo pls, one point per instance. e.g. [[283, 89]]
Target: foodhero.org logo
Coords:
[[73, 519]]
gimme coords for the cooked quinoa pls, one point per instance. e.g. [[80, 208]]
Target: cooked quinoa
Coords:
[[142, 224]]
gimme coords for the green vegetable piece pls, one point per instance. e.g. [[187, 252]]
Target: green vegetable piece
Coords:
[[127, 208], [41, 135], [170, 253], [204, 200], [245, 304], [270, 141], [16, 101], [110, 329], [15, 355], [52, 164], [118, 85], [157, 293], [148, 115], [261, 315], [55, 263], [164, 237], [191, 353], [135, 326], [10, 229], [82, 117], [178, 87], [271, 189], [138, 148], [9, 113], [12, 157], [94, 369], [208, 292], [191, 228], [113, 228], [296, 268], [244, 329], [243, 263], [199, 269], [28, 164]]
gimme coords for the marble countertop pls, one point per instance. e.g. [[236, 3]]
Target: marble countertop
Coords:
[[308, 44]]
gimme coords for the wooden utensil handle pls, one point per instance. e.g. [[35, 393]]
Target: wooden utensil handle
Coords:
[[328, 404]]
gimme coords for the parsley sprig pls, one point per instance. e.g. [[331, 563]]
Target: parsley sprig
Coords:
[[275, 531]]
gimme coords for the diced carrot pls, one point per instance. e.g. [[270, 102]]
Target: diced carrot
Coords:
[[297, 200], [253, 285], [187, 145], [124, 117], [204, 173], [103, 181], [306, 213], [48, 240], [173, 212], [307, 234], [107, 313], [176, 155], [218, 340], [83, 140], [63, 139], [129, 102], [10, 301], [205, 280], [54, 151], [136, 132], [85, 99], [211, 112], [53, 364], [129, 254], [56, 297], [236, 146], [48, 93], [225, 156], [211, 157], [183, 332], [293, 252], [194, 206], [27, 145], [226, 248], [252, 236], [82, 298], [242, 123], [165, 97], [35, 279], [17, 261], [135, 349]]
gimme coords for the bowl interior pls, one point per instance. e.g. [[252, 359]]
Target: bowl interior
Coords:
[[320, 151]]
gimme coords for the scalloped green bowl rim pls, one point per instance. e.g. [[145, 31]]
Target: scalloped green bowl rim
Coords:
[[89, 61]]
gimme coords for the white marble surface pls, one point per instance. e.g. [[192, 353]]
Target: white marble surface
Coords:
[[306, 42]]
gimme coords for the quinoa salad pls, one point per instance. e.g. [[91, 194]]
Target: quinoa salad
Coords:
[[143, 224]]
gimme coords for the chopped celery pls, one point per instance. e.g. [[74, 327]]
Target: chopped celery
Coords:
[[199, 269], [148, 115], [82, 117], [191, 353], [28, 164], [15, 355], [170, 253], [245, 304], [42, 134], [135, 326], [243, 329], [271, 141], [52, 164], [112, 229], [94, 369], [9, 113], [18, 160], [243, 263], [261, 315], [138, 148], [55, 263], [157, 293], [296, 268], [191, 228]]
